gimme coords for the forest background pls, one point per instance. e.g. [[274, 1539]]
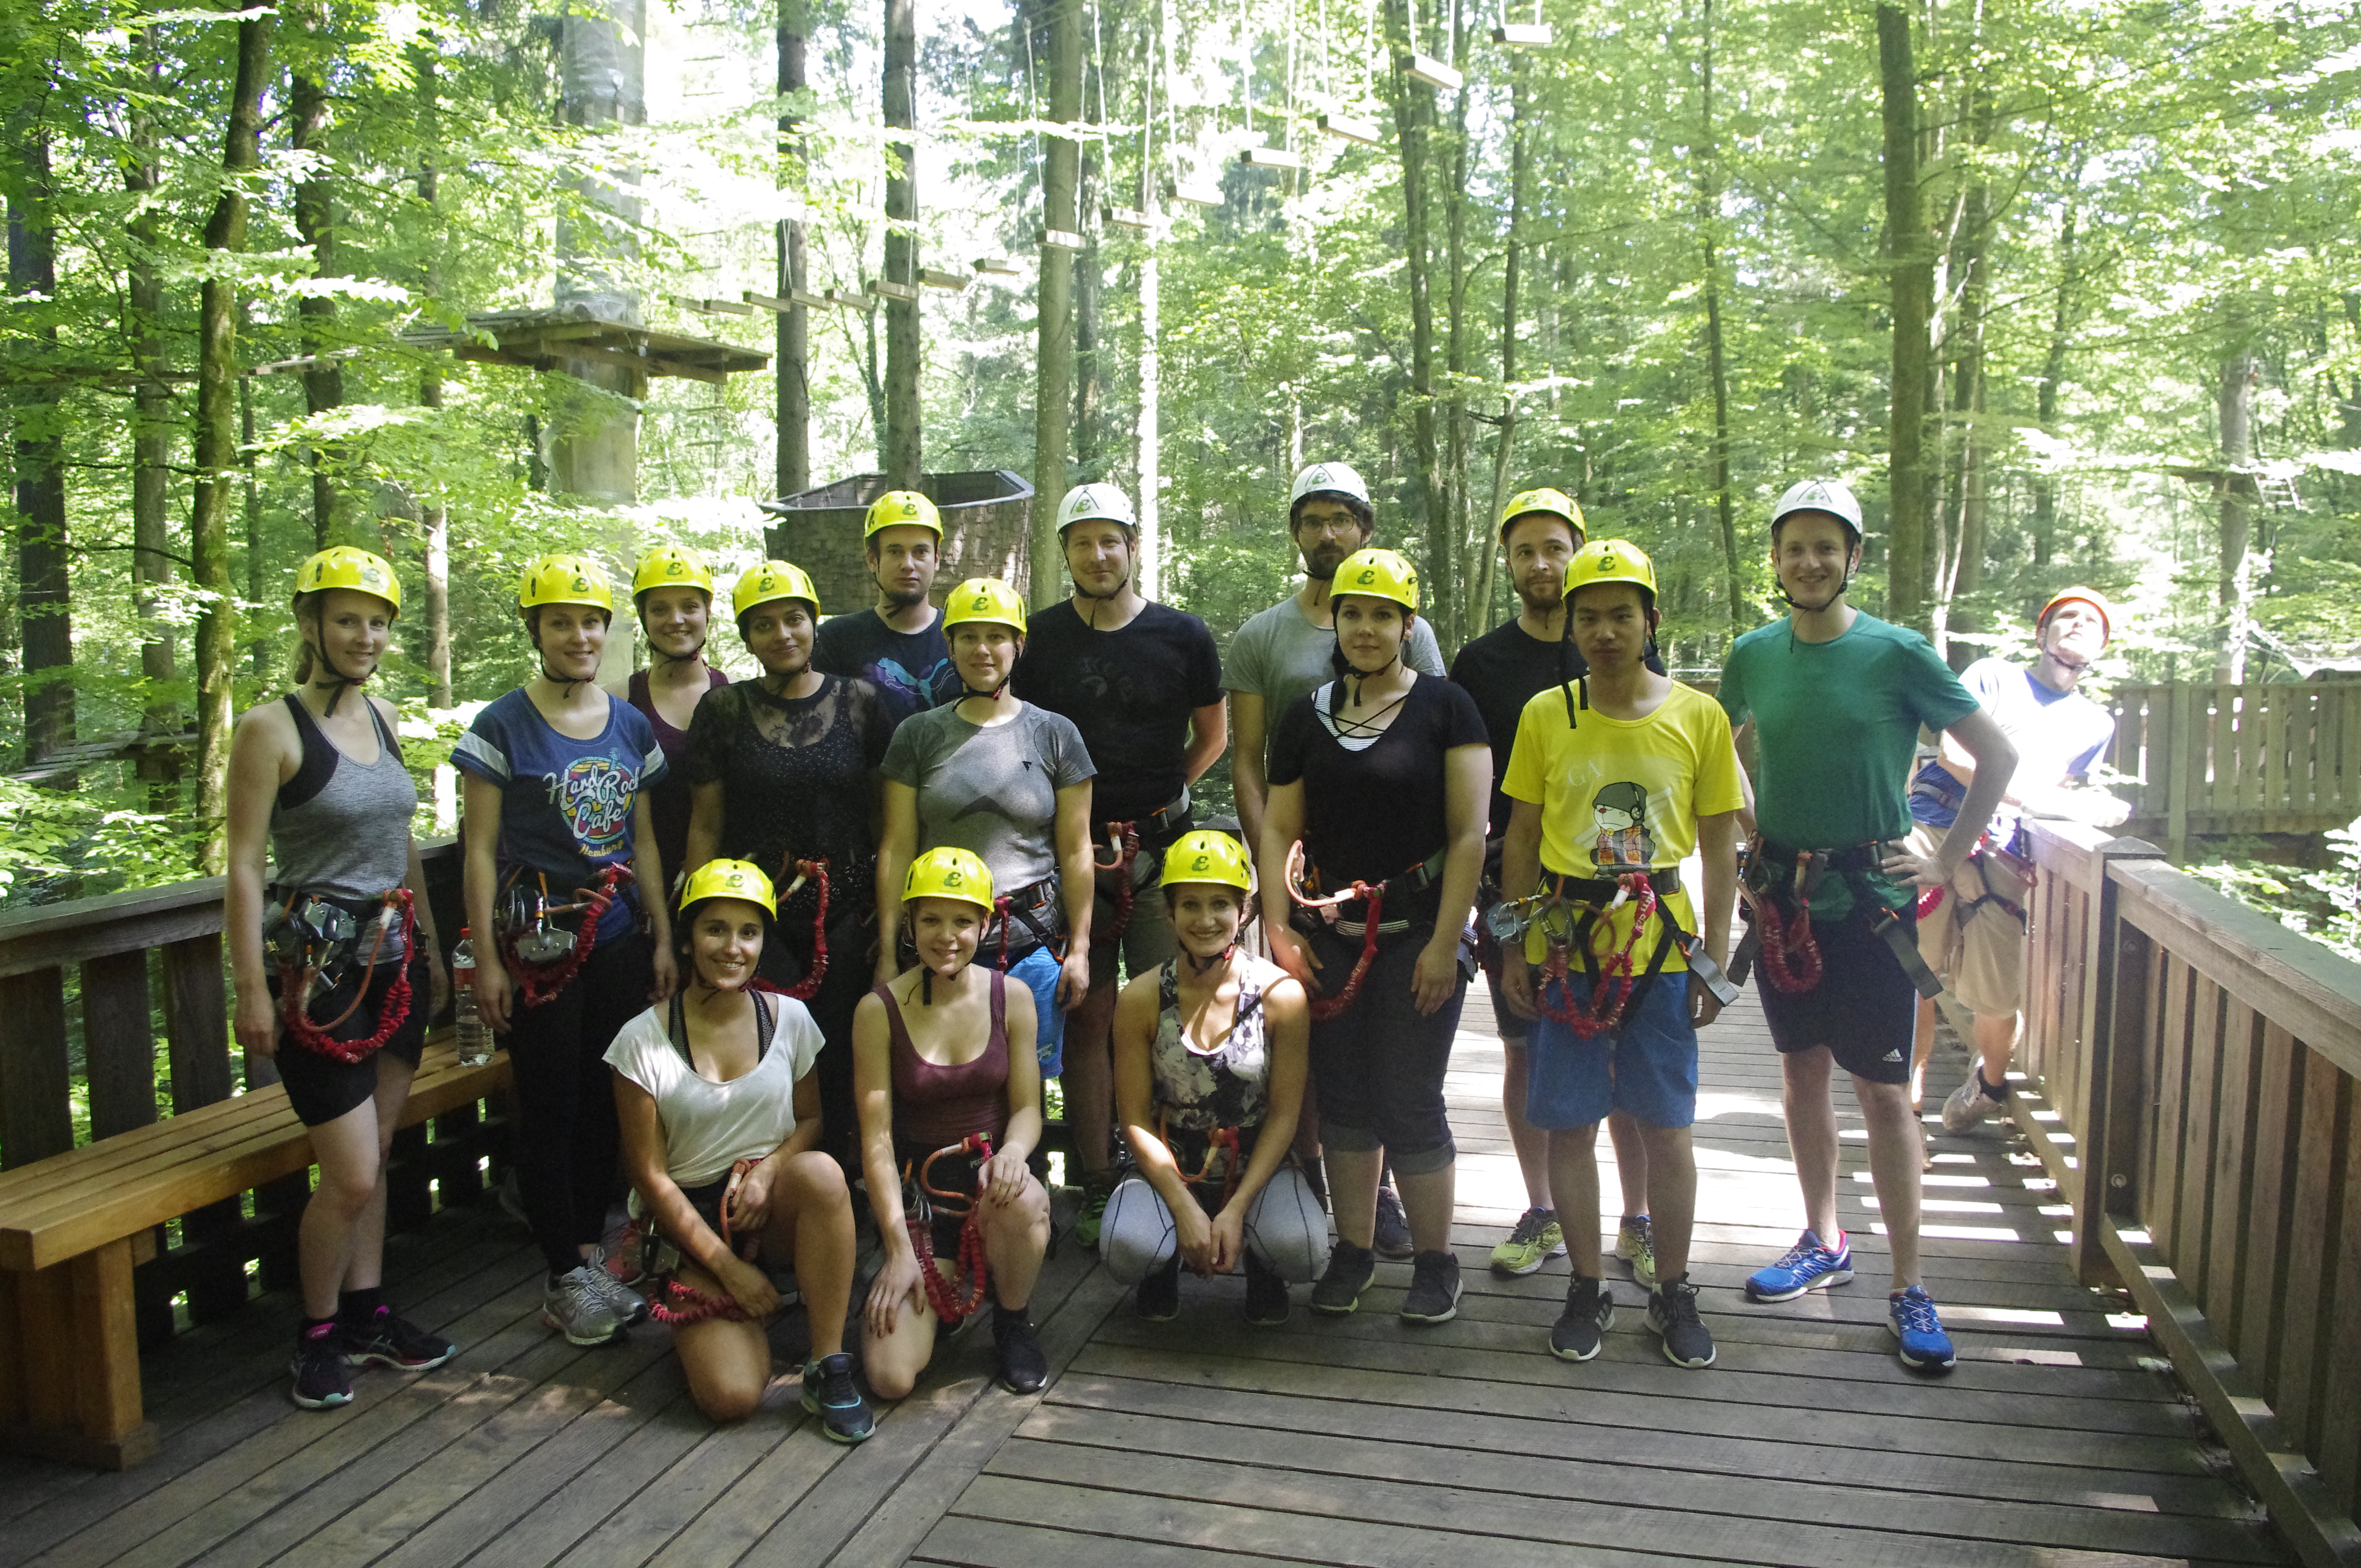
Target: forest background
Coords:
[[2066, 289]]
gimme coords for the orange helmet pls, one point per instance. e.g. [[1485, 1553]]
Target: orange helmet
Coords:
[[2090, 597]]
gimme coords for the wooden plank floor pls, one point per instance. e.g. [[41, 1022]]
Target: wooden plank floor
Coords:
[[2061, 1440]]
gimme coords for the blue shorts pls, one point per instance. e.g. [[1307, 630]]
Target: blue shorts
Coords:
[[1654, 1072], [1038, 972]]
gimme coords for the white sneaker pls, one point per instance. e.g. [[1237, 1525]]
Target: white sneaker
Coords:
[[628, 1305], [576, 1305], [1969, 1104]]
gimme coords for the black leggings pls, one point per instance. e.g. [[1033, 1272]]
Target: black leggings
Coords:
[[1379, 1065], [567, 1141], [850, 976]]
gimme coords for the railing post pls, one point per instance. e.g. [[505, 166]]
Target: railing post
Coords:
[[36, 1083], [2114, 1032]]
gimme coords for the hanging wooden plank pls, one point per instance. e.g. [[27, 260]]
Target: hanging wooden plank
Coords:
[[1524, 35], [1352, 127], [1429, 72]]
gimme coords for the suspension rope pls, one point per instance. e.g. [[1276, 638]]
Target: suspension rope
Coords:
[[295, 985], [539, 983], [814, 871], [1616, 978], [952, 1301], [696, 1306], [1123, 838]]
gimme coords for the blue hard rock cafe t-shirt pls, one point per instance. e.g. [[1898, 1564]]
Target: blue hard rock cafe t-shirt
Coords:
[[912, 670], [566, 804]]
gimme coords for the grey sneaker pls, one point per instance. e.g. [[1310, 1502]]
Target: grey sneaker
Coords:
[[1969, 1104], [576, 1305], [627, 1304], [1392, 1237], [1582, 1328], [1673, 1318]]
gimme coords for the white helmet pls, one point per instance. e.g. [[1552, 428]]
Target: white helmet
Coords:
[[1831, 496], [1341, 478], [1095, 502]]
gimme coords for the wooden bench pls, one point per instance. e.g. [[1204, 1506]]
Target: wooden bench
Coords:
[[74, 1226]]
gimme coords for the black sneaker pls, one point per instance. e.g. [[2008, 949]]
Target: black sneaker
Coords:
[[1434, 1288], [1393, 1227], [1338, 1289], [828, 1394], [1673, 1316], [1158, 1300], [1267, 1302], [386, 1338], [1024, 1368], [1582, 1328], [321, 1381]]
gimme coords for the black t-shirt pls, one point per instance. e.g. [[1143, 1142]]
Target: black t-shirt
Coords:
[[1503, 670], [1370, 814], [911, 670], [1130, 691]]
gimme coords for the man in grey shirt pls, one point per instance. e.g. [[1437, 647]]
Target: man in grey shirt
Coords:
[[1284, 652]]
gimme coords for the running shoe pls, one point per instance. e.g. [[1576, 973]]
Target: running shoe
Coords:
[[388, 1339], [1807, 1266], [574, 1303], [1925, 1347], [1972, 1103], [1434, 1295], [1024, 1366], [828, 1394], [1635, 1244], [1582, 1328], [1158, 1300], [1350, 1268], [1534, 1242], [1097, 1187], [321, 1383], [1673, 1318], [1392, 1238], [1267, 1302], [629, 1306], [622, 1253]]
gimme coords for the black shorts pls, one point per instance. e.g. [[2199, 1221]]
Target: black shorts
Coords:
[[1866, 1009], [322, 1087]]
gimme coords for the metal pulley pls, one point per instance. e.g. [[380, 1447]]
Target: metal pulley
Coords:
[[310, 935]]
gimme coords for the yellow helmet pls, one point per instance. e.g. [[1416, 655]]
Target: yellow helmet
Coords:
[[983, 598], [1206, 855], [730, 879], [566, 579], [342, 566], [772, 581], [1610, 561], [1381, 573], [670, 566], [897, 508], [1554, 503], [948, 872]]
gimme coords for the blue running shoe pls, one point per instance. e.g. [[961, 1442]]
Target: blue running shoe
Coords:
[[1808, 1265], [1925, 1346]]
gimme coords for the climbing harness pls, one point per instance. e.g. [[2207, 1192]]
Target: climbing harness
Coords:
[[1416, 879], [1612, 985], [952, 1299], [694, 1306], [543, 957], [311, 937], [1615, 987], [815, 872], [1789, 951], [1221, 1143]]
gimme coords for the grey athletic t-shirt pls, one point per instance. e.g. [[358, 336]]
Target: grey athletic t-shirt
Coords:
[[1279, 654], [992, 790]]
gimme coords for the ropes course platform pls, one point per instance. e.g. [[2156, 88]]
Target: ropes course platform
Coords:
[[2062, 1440]]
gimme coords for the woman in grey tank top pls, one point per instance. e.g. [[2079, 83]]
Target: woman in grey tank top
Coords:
[[317, 779]]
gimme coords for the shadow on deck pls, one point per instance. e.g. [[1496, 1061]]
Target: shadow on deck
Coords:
[[2061, 1439]]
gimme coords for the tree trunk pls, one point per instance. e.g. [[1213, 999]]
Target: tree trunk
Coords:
[[1521, 160], [2236, 403], [2053, 372], [1960, 611], [902, 347], [324, 383], [256, 561], [1089, 287], [216, 439], [1413, 118], [434, 520], [1053, 406], [152, 423], [44, 584], [1910, 579], [1452, 621], [794, 324], [1717, 365]]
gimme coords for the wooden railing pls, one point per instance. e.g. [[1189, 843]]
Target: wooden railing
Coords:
[[2194, 1067], [137, 955], [2243, 759]]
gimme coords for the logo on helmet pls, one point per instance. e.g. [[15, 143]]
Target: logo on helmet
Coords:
[[954, 879]]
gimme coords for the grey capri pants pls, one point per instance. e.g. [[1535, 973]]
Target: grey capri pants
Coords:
[[1286, 1228]]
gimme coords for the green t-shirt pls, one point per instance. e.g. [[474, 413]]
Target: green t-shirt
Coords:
[[1836, 730]]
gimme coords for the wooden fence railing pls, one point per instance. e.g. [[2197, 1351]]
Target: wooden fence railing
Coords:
[[2243, 759], [159, 951], [2194, 1067]]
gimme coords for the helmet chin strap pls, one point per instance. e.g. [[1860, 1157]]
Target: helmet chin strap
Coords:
[[1361, 678], [1795, 603], [339, 683], [1203, 967]]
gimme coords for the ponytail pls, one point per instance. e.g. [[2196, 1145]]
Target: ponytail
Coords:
[[306, 657]]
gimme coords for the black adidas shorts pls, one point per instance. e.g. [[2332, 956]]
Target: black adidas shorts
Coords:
[[1866, 1010]]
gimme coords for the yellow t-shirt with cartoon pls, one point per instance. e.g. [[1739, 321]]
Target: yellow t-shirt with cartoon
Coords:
[[1621, 796]]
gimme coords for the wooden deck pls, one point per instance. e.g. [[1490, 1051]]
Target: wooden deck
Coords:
[[2061, 1440]]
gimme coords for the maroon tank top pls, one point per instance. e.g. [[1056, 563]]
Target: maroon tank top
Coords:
[[938, 1105], [668, 802]]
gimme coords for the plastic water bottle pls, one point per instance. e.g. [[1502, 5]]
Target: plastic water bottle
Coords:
[[475, 1044]]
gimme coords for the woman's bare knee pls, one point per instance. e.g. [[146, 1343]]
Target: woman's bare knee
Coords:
[[725, 1402]]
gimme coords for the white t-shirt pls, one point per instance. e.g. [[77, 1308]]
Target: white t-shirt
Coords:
[[710, 1127]]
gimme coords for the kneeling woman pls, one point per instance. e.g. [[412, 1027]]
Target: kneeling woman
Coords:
[[1210, 1057], [949, 1093], [720, 1112]]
